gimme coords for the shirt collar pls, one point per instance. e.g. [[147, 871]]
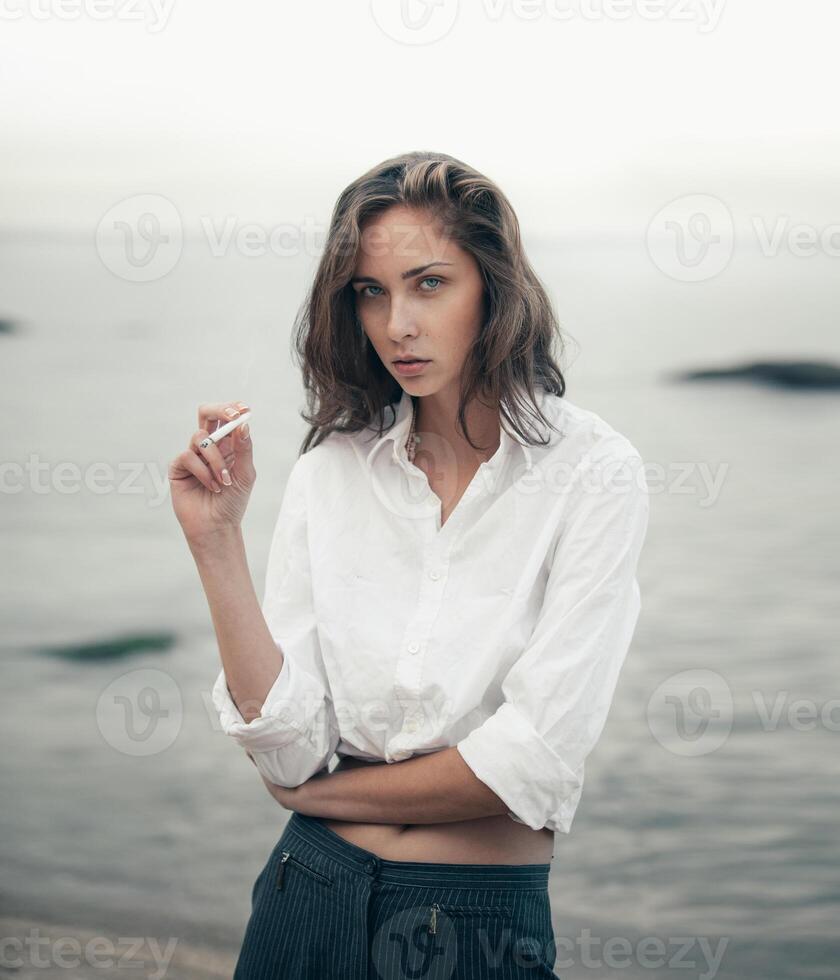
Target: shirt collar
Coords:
[[398, 433]]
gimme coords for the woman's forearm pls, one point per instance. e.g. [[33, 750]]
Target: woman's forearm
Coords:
[[438, 787], [250, 657]]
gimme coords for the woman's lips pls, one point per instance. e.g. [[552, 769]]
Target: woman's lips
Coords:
[[410, 367]]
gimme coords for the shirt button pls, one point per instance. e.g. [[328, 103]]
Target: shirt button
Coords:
[[413, 647], [434, 575]]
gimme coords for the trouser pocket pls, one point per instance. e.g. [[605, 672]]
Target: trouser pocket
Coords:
[[296, 865], [465, 911], [297, 914], [511, 939]]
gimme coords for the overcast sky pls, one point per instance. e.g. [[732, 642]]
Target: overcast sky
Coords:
[[586, 118]]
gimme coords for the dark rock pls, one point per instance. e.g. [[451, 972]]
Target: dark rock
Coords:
[[113, 648], [785, 374]]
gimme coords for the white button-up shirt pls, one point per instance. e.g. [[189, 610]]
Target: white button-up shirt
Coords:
[[501, 632]]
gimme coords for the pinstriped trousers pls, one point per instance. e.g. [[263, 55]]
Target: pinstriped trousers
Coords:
[[324, 909]]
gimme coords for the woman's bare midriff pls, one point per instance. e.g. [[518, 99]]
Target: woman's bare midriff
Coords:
[[485, 840]]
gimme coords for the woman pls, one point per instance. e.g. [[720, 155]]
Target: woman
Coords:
[[451, 592]]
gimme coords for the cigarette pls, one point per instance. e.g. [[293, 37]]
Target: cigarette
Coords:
[[221, 432]]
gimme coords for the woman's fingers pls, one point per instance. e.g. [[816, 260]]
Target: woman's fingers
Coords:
[[207, 464], [225, 445], [211, 413], [189, 463], [212, 454]]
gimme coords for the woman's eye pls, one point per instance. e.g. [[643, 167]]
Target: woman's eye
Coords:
[[433, 289]]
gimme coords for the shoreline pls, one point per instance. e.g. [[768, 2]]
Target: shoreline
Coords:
[[38, 947]]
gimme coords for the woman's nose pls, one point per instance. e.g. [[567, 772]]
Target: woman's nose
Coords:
[[401, 322]]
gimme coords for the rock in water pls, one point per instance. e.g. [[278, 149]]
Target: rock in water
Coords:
[[113, 648], [785, 374]]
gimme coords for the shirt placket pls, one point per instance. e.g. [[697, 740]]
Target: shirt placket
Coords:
[[437, 548]]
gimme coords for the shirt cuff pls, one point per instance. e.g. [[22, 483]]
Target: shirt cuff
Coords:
[[281, 720], [507, 754]]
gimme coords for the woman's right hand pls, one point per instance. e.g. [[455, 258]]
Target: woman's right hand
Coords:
[[203, 504]]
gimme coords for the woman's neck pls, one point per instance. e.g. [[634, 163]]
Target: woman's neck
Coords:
[[437, 416]]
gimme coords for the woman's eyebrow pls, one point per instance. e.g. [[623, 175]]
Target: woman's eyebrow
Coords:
[[403, 275]]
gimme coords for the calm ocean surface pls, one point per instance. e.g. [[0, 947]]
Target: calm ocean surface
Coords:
[[709, 819]]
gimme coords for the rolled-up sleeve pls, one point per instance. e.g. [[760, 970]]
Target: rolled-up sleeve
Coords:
[[297, 732], [557, 695]]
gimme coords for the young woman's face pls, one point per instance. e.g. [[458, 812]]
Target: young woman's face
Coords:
[[418, 295]]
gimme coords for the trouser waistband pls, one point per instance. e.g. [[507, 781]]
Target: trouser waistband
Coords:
[[354, 858]]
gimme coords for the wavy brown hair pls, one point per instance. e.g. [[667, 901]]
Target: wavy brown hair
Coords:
[[347, 386]]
